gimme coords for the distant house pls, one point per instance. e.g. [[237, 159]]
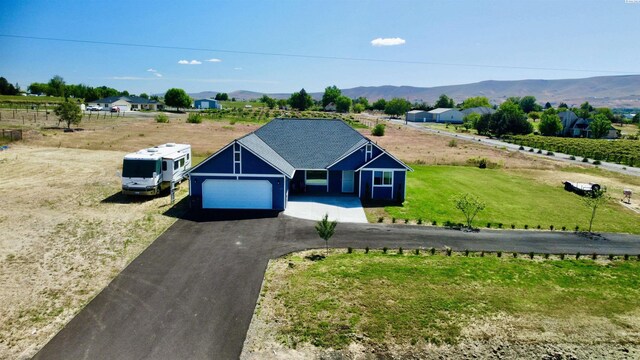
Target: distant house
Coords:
[[207, 104], [445, 115], [482, 110], [574, 126], [417, 115], [127, 103], [330, 107]]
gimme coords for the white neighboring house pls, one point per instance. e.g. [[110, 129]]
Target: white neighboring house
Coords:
[[127, 103], [417, 116], [446, 115]]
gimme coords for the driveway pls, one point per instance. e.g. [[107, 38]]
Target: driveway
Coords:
[[344, 209], [192, 293]]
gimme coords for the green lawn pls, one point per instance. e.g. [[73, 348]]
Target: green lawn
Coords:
[[408, 299], [241, 104], [11, 99], [510, 199]]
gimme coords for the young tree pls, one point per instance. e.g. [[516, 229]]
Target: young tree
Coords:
[[177, 98], [69, 113], [358, 108], [469, 121], [469, 205], [301, 100], [550, 124], [593, 200], [444, 102], [476, 102], [362, 100], [331, 95], [326, 229], [269, 101], [343, 104], [600, 126], [397, 106]]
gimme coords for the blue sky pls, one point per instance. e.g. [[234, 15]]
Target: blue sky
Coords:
[[504, 40]]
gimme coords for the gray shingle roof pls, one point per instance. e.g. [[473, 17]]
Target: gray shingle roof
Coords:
[[310, 143], [255, 144]]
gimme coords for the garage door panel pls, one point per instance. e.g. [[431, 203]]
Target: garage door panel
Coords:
[[237, 194]]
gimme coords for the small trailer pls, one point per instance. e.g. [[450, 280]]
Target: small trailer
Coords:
[[150, 171], [581, 188]]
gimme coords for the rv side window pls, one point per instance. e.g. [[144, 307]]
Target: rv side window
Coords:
[[182, 162], [164, 166], [175, 165], [188, 156]]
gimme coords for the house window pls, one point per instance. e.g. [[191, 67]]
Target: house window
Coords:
[[382, 178], [237, 159], [368, 152], [316, 177]]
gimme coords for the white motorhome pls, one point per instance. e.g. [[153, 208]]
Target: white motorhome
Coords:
[[149, 171]]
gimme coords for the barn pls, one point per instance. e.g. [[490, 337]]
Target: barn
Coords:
[[207, 104], [417, 115], [296, 156]]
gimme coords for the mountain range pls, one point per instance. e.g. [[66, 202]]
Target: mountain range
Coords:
[[611, 91]]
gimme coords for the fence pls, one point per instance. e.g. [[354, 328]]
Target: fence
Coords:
[[12, 135]]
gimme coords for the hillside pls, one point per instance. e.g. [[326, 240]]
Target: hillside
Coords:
[[612, 91]]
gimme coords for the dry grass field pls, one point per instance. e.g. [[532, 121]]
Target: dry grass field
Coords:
[[65, 231]]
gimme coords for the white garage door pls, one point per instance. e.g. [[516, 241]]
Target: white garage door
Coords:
[[236, 194]]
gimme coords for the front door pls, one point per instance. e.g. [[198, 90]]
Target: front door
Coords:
[[347, 181]]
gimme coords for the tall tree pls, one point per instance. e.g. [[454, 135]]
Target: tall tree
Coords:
[[379, 104], [343, 104], [301, 100], [510, 119], [444, 102], [7, 88], [482, 124], [222, 97], [69, 113], [397, 106], [475, 102], [269, 101], [636, 118], [144, 95], [326, 229], [600, 126], [331, 94], [550, 124], [177, 98], [547, 105], [56, 86], [362, 100], [528, 104]]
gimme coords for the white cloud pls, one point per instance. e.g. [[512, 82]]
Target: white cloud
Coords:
[[127, 78], [214, 60], [387, 41], [152, 70], [237, 68], [157, 74], [187, 62]]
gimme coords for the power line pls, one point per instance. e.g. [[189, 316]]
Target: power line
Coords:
[[321, 57]]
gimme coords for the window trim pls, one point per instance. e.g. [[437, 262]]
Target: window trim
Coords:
[[382, 178], [237, 154]]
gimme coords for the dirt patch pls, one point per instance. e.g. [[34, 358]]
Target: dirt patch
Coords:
[[65, 234], [498, 337]]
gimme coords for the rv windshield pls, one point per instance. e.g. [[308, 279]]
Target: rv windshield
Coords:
[[140, 168]]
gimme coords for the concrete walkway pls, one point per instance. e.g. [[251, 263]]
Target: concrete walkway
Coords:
[[191, 294], [344, 209]]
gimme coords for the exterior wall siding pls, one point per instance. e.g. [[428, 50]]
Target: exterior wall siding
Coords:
[[385, 162], [252, 164], [221, 163]]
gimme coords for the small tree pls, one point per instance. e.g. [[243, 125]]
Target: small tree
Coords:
[[550, 125], [593, 200], [326, 229], [470, 120], [177, 98], [469, 205], [378, 130], [397, 106], [343, 104], [69, 113], [300, 100], [600, 126]]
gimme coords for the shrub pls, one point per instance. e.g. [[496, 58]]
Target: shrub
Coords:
[[400, 252], [378, 130], [384, 250], [488, 225], [366, 250], [406, 221], [551, 227], [546, 255], [499, 225], [577, 228], [597, 162], [572, 157], [531, 150], [539, 151], [448, 251], [564, 228], [434, 223], [515, 255], [417, 252], [349, 250], [162, 118], [499, 253], [626, 257], [466, 252], [194, 118], [513, 226], [611, 257], [578, 255], [452, 143], [393, 220], [481, 253], [526, 227], [531, 254], [432, 251], [380, 219], [586, 160], [550, 153], [419, 222], [482, 163], [539, 227], [521, 147], [594, 256], [561, 256]]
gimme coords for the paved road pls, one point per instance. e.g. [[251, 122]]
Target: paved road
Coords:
[[192, 293], [513, 147]]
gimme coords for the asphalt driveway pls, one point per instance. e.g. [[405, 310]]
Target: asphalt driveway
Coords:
[[192, 293]]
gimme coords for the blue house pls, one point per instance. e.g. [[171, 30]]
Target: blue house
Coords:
[[296, 156], [207, 104]]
